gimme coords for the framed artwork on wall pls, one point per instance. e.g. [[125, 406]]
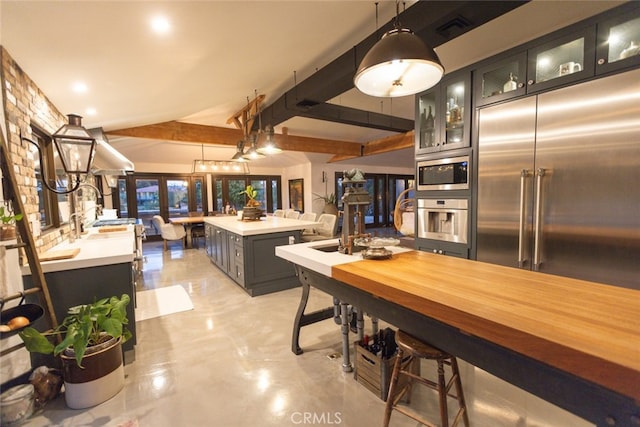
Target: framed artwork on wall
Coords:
[[296, 194]]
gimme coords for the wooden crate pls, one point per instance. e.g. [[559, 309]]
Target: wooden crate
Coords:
[[374, 372]]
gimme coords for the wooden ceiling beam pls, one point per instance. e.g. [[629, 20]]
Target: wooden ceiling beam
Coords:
[[204, 134], [390, 143]]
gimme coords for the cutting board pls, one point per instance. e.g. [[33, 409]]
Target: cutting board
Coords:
[[112, 228], [60, 254]]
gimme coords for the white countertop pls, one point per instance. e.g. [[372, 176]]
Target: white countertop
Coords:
[[305, 255], [269, 224], [96, 249]]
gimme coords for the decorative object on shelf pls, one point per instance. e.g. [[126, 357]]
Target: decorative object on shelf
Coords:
[[8, 221], [76, 148], [427, 126], [90, 350], [511, 84], [296, 194], [399, 64], [632, 50]]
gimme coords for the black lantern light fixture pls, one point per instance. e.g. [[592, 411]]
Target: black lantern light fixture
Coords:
[[76, 148], [399, 64]]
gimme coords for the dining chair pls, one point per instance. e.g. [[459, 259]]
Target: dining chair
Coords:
[[169, 231], [292, 214], [308, 216], [327, 229], [279, 213]]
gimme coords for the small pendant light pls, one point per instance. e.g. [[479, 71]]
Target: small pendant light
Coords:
[[399, 64]]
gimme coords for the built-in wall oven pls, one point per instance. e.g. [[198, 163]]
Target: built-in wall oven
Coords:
[[442, 201], [449, 173]]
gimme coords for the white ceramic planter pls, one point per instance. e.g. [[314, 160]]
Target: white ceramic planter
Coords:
[[100, 380]]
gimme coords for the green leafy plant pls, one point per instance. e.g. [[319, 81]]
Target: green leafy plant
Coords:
[[7, 218], [329, 199], [85, 326], [251, 193]]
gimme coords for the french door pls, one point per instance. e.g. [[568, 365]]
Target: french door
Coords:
[[144, 195]]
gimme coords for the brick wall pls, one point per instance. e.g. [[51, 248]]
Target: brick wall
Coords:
[[24, 105]]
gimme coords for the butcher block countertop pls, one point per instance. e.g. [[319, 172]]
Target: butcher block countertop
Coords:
[[587, 329]]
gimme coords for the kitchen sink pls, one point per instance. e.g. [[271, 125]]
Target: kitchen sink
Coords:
[[334, 248]]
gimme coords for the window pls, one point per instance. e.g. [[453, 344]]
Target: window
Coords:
[[228, 188], [53, 208], [143, 195]]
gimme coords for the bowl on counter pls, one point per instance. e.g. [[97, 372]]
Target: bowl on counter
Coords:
[[16, 404]]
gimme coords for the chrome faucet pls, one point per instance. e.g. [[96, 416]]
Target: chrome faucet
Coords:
[[75, 231]]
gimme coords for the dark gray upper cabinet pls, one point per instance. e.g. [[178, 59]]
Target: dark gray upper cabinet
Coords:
[[606, 43], [501, 80], [618, 43], [444, 115], [564, 60]]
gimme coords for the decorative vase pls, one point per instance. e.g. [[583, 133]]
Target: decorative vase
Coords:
[[251, 213], [330, 208], [100, 378]]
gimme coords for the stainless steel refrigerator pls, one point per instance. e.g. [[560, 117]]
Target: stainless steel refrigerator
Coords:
[[559, 182]]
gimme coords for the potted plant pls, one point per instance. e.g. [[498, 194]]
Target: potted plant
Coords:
[[8, 228], [329, 203], [251, 210], [90, 348]]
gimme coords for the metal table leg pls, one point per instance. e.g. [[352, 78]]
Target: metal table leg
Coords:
[[346, 363], [302, 319]]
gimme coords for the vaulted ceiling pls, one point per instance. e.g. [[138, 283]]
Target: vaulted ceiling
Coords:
[[302, 55]]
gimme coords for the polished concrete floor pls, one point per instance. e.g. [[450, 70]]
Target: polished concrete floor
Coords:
[[228, 363]]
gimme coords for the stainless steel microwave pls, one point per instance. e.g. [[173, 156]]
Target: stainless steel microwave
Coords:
[[451, 173]]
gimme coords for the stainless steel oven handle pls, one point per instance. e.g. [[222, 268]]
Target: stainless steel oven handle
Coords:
[[523, 178], [537, 226]]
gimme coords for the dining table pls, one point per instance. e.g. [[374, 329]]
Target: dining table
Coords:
[[188, 222]]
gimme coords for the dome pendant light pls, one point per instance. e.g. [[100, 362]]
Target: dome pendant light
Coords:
[[399, 64]]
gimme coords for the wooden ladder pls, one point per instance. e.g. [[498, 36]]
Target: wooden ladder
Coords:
[[26, 242]]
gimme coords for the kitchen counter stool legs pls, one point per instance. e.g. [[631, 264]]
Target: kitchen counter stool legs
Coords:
[[409, 349]]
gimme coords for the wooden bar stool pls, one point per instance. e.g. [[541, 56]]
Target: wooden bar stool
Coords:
[[410, 348]]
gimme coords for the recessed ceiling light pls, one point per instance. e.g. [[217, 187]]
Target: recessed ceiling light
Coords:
[[160, 25], [80, 87], [91, 111]]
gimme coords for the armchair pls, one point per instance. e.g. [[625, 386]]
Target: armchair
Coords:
[[169, 231]]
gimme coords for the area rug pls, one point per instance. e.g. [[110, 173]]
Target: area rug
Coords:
[[161, 302]]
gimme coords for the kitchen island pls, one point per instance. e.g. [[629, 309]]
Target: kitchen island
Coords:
[[101, 268], [245, 250], [571, 342]]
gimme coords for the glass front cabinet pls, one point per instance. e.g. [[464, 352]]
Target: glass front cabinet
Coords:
[[501, 80], [444, 113], [618, 43], [561, 61]]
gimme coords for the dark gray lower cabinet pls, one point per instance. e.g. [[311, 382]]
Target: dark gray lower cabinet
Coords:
[[443, 248], [69, 288], [251, 261]]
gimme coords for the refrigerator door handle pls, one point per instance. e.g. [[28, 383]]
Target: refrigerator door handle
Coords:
[[537, 226], [523, 178]]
